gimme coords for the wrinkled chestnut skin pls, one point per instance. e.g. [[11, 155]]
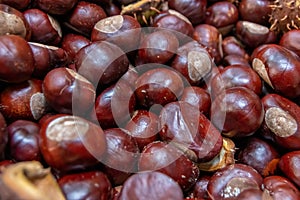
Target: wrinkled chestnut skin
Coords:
[[86, 185], [23, 101], [194, 10], [259, 154], [84, 16], [143, 126], [71, 143], [150, 185], [174, 163], [283, 128], [121, 156], [184, 124], [110, 65], [237, 111], [16, 59], [65, 90], [289, 165], [232, 180], [158, 86], [17, 4], [279, 187], [3, 135], [45, 29], [236, 76], [23, 137], [280, 68], [288, 40], [57, 7]]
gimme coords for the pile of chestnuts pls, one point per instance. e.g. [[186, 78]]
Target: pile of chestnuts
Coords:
[[149, 99]]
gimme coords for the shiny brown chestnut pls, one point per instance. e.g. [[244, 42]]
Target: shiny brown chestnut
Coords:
[[84, 16], [23, 137], [13, 22], [289, 165], [174, 163], [16, 59], [71, 143], [233, 59], [150, 185], [279, 67], [199, 190], [231, 45], [288, 40], [281, 121], [237, 112], [86, 185], [68, 92], [59, 7], [45, 29], [23, 101]]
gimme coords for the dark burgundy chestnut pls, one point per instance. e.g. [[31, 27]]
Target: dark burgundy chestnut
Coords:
[[121, 155], [115, 105], [210, 37], [233, 59], [46, 58], [71, 143], [158, 47], [289, 165], [199, 190], [72, 43], [19, 5], [84, 16], [86, 185], [111, 9], [288, 40], [237, 112], [197, 97], [45, 29], [23, 137], [232, 180], [3, 135], [158, 86], [193, 62], [232, 46], [194, 10], [13, 22], [58, 7], [236, 76], [150, 185], [102, 63], [143, 126], [166, 158], [23, 101], [278, 187], [68, 92], [282, 121], [16, 59], [260, 155], [185, 125], [122, 30], [279, 68]]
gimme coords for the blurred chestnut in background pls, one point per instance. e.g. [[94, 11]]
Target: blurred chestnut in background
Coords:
[[58, 7], [17, 4]]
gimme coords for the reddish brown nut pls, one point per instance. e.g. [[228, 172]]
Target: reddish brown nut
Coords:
[[121, 156], [233, 59], [16, 59], [150, 185], [122, 30], [84, 16], [185, 126], [3, 136], [13, 22], [232, 180], [278, 187], [23, 101], [210, 37], [102, 63], [23, 143], [158, 86], [199, 191], [279, 68], [143, 126], [86, 185], [45, 29], [282, 121], [250, 194], [174, 163], [260, 155], [232, 46], [71, 143], [236, 76], [46, 58], [289, 165], [288, 40], [194, 10], [193, 62], [237, 111], [19, 5], [56, 7], [111, 9]]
